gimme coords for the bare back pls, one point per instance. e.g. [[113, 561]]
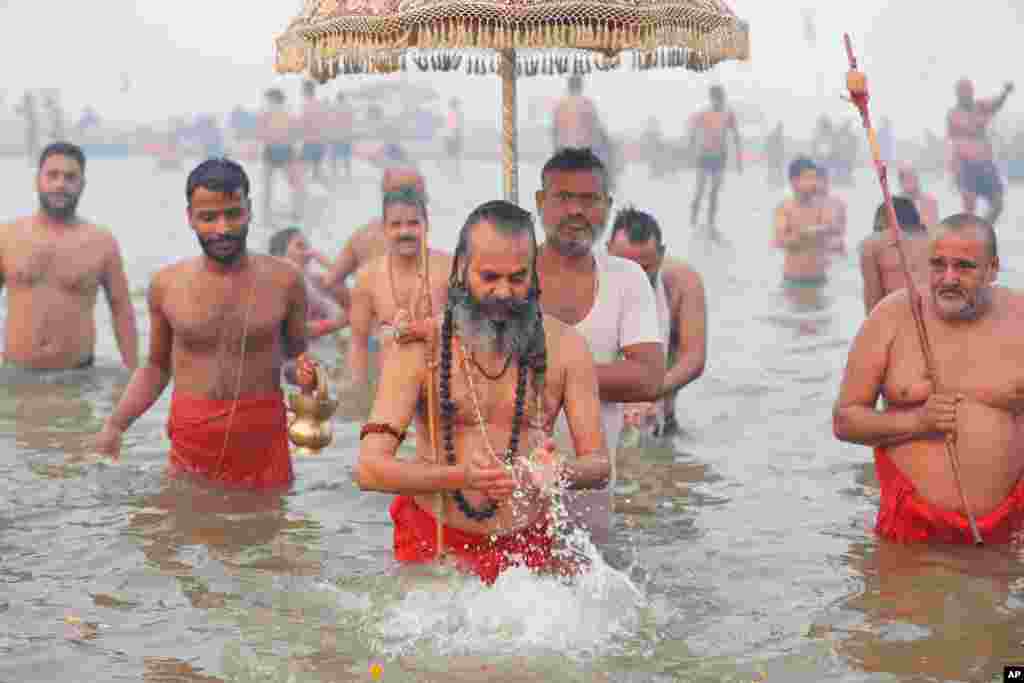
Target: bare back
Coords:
[[990, 376], [207, 318], [53, 278], [882, 269]]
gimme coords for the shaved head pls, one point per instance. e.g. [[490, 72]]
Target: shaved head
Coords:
[[398, 177]]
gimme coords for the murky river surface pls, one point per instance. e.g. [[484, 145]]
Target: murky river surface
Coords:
[[743, 548]]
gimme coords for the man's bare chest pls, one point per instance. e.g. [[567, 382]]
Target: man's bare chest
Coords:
[[986, 365], [203, 321], [75, 268]]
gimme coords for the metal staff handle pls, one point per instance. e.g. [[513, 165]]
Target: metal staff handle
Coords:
[[856, 83]]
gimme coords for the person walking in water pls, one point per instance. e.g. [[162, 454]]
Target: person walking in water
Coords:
[[275, 131], [709, 144], [972, 154]]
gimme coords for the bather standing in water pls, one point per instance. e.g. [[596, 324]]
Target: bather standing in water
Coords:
[[53, 264], [605, 298], [388, 296], [682, 311], [802, 228], [974, 328], [926, 204], [505, 371], [222, 326], [325, 313], [880, 265], [369, 241]]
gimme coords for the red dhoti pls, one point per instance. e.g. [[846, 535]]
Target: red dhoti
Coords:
[[254, 454], [904, 516], [416, 541]]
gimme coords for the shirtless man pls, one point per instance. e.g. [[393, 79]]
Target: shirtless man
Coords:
[[802, 228], [880, 261], [835, 242], [609, 300], [275, 131], [453, 136], [388, 293], [577, 124], [53, 264], [505, 372], [316, 124], [221, 325], [709, 145], [926, 204], [978, 403], [682, 309], [341, 136], [971, 150], [369, 241]]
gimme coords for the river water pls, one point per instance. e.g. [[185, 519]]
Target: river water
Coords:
[[742, 552]]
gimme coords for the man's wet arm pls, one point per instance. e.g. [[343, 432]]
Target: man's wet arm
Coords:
[[592, 467]]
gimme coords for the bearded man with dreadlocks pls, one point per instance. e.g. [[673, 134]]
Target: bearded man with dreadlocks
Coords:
[[504, 373]]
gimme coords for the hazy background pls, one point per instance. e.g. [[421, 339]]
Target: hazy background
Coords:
[[152, 59]]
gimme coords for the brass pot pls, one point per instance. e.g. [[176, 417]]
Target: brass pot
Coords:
[[311, 429]]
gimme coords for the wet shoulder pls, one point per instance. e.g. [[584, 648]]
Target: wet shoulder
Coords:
[[281, 272], [892, 311]]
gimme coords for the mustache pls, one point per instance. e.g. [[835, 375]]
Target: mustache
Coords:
[[226, 237], [575, 222]]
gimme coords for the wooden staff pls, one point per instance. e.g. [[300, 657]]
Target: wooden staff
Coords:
[[857, 84]]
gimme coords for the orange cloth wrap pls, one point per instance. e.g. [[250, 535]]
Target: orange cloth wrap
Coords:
[[905, 517], [416, 542], [256, 454]]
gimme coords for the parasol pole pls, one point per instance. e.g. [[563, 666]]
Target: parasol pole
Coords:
[[432, 391], [509, 137], [856, 83]]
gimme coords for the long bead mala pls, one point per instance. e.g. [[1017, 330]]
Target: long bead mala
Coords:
[[448, 418]]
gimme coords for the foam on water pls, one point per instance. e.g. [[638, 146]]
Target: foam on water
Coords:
[[521, 612]]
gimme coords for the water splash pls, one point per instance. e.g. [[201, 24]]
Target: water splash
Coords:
[[522, 612]]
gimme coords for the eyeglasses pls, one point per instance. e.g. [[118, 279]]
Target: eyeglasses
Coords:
[[587, 200]]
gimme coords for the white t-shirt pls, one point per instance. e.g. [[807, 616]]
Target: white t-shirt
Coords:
[[624, 313]]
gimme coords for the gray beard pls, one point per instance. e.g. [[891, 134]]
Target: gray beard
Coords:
[[511, 336]]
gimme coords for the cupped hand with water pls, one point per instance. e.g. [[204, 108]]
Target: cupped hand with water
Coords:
[[545, 470]]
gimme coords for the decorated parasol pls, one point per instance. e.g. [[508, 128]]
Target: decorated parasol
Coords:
[[512, 38]]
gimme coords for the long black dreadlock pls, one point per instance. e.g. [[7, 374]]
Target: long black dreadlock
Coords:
[[511, 220]]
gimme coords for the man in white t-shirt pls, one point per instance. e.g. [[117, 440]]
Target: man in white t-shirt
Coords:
[[607, 299]]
